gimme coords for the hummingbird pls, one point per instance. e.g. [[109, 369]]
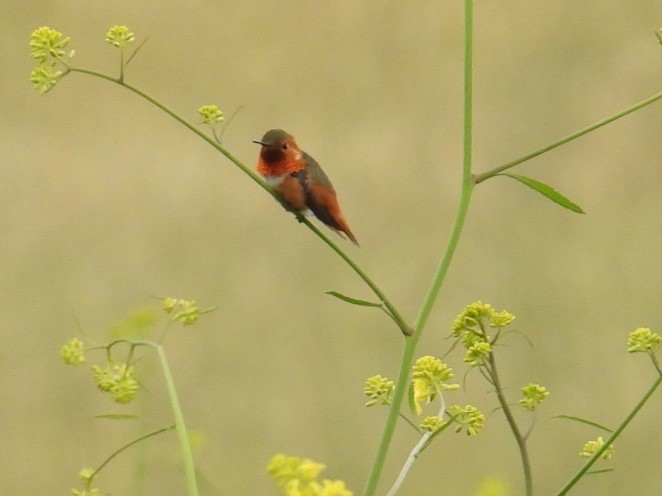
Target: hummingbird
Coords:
[[300, 180]]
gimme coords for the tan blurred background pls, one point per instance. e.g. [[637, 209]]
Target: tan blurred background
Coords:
[[107, 202]]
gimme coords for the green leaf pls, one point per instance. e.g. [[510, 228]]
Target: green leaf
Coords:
[[410, 397], [658, 33], [353, 301], [117, 416], [547, 191], [595, 472], [583, 421]]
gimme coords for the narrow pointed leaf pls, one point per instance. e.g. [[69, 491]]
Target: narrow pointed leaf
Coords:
[[135, 52], [117, 416], [583, 421], [547, 191], [595, 472], [353, 301], [412, 400]]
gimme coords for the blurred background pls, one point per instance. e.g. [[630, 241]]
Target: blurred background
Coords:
[[107, 202]]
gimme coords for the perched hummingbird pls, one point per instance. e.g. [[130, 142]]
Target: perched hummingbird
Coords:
[[300, 179]]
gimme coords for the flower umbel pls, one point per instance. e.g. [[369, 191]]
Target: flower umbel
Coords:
[[283, 469], [432, 424], [86, 474], [119, 36], [334, 488], [47, 44], [118, 380], [211, 114], [44, 77], [428, 379], [298, 477], [501, 319], [72, 352], [379, 389], [47, 47], [534, 394], [643, 340], [470, 327], [186, 312], [592, 446], [434, 371], [169, 304], [86, 492], [477, 352], [478, 313], [469, 418]]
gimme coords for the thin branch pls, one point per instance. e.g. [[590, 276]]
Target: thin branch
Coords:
[[417, 450], [479, 178], [629, 417], [399, 320], [126, 446], [519, 438]]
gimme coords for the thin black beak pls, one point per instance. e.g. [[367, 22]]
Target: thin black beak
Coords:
[[260, 143]]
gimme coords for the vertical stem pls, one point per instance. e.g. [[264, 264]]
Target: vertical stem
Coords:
[[182, 433], [442, 269], [468, 89], [121, 78]]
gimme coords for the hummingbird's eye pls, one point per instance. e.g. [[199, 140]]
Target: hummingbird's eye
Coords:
[[284, 146]]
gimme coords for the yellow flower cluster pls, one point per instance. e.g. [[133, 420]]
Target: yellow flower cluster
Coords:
[[299, 477]]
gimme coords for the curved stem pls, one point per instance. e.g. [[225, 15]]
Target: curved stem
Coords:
[[250, 173], [127, 446], [399, 320], [417, 450]]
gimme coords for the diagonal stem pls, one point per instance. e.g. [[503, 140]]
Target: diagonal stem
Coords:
[[629, 417], [512, 423], [486, 175], [127, 446], [393, 312]]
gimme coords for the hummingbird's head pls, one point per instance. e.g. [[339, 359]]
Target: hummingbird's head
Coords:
[[278, 146]]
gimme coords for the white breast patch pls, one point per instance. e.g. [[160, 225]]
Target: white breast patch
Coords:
[[274, 181]]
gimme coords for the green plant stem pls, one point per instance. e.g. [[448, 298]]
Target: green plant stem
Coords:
[[121, 78], [630, 416], [440, 274], [253, 175], [519, 437], [420, 446], [393, 312], [182, 432], [486, 175], [126, 446]]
